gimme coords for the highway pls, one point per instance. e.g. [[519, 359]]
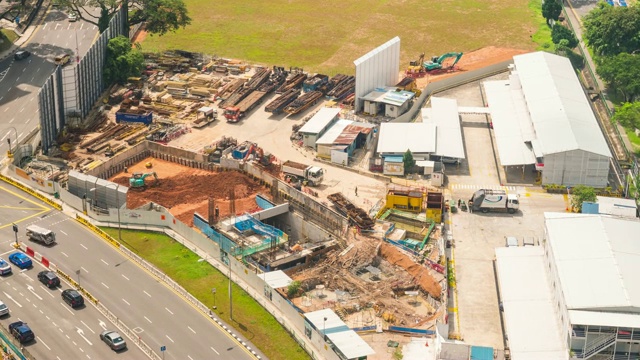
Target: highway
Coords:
[[21, 80], [158, 315]]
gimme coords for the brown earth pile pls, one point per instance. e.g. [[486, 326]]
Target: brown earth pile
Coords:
[[421, 275]]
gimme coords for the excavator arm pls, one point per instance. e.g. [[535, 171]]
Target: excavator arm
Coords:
[[437, 62]]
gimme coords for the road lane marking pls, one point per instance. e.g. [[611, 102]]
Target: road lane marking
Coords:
[[148, 320], [33, 291], [62, 252], [215, 351], [126, 302], [105, 285], [66, 307], [6, 109], [12, 299], [47, 291], [21, 110], [86, 248], [102, 324], [170, 338], [193, 331], [85, 270], [43, 343], [125, 277], [81, 333], [189, 357], [168, 311], [87, 326], [64, 233], [149, 295], [11, 120], [106, 263]]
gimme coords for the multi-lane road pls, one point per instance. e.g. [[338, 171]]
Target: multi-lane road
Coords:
[[159, 316], [21, 80]]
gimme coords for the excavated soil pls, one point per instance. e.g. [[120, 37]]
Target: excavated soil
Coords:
[[184, 190], [421, 275]]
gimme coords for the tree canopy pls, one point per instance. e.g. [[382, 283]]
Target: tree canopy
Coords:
[[122, 61], [408, 161], [551, 10], [613, 30], [622, 73], [628, 115], [580, 194], [161, 16], [560, 32]]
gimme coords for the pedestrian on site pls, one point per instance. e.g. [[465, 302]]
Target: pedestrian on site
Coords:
[[459, 203], [356, 191], [126, 170]]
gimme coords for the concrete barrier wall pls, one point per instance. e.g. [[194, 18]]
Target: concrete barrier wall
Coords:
[[31, 180]]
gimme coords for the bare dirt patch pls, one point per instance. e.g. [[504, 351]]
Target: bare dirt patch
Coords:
[[140, 36], [184, 190]]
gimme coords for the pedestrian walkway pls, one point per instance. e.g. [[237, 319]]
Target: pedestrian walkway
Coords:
[[25, 34]]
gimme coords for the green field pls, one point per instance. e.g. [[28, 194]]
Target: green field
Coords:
[[198, 277], [328, 35], [7, 37]]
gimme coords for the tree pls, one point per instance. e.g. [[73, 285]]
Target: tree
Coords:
[[551, 10], [408, 161], [611, 30], [161, 16], [560, 32], [628, 115], [122, 61], [293, 288], [580, 194], [622, 73]]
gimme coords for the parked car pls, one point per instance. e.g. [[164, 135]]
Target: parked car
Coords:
[[49, 278], [21, 331], [5, 268], [4, 309], [20, 260], [113, 339], [72, 297], [21, 55], [62, 59], [73, 17]]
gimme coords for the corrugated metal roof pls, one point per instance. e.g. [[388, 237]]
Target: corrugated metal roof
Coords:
[[398, 137], [511, 123], [444, 114], [559, 109], [346, 133], [529, 308], [597, 260], [320, 120], [333, 132], [276, 279], [332, 324], [350, 344]]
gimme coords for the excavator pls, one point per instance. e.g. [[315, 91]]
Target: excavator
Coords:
[[137, 180], [416, 69], [436, 62]]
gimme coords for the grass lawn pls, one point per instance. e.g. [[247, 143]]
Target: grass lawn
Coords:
[[255, 323], [635, 141], [329, 35], [7, 36]]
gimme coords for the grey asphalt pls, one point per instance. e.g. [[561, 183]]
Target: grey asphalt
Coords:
[[158, 315]]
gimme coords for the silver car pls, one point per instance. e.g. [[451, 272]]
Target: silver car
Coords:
[[4, 309], [113, 339], [5, 268]]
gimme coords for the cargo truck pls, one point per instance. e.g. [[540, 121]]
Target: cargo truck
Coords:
[[37, 233], [233, 114], [486, 200], [312, 175]]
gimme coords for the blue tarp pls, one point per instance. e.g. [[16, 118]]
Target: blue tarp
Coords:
[[263, 203], [481, 353]]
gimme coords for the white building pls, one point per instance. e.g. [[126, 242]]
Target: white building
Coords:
[[377, 68], [577, 296], [541, 116], [318, 125], [387, 101]]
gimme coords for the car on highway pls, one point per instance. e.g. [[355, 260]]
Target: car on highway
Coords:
[[21, 331], [4, 309], [113, 339], [5, 268], [20, 260], [49, 278], [73, 298], [21, 55], [62, 60]]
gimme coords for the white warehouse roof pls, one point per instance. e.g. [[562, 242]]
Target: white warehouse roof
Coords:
[[560, 111], [598, 260], [444, 114], [529, 308], [396, 138], [276, 279], [320, 120]]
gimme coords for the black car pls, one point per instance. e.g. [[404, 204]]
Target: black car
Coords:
[[21, 331], [73, 298], [21, 55], [49, 278]]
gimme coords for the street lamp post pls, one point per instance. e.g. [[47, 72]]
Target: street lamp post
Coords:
[[214, 298], [324, 327], [9, 138], [230, 293], [118, 208]]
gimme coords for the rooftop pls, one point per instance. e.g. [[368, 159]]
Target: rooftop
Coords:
[[396, 138], [320, 120], [344, 132], [444, 115]]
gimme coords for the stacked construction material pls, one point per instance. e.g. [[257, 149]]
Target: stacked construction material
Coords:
[[303, 102], [355, 214]]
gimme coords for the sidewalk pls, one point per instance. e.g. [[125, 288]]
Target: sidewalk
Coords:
[[24, 35]]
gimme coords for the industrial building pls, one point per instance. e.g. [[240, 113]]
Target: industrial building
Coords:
[[345, 342], [577, 296], [612, 206], [342, 139], [377, 68], [388, 102], [318, 125], [541, 117]]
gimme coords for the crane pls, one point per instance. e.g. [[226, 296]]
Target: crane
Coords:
[[437, 61]]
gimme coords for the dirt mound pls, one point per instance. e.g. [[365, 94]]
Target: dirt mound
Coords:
[[421, 275]]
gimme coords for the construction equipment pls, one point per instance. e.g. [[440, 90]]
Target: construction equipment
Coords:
[[37, 233], [408, 84], [137, 181], [309, 175], [486, 200], [437, 62], [314, 83], [416, 68]]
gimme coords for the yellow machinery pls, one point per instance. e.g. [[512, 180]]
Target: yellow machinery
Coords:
[[405, 200], [408, 84]]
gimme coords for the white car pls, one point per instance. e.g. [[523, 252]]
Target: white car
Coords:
[[5, 268], [73, 17], [4, 309]]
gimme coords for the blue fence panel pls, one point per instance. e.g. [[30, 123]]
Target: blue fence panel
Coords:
[[411, 330], [263, 203]]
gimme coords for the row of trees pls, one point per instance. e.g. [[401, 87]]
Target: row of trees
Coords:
[[563, 38]]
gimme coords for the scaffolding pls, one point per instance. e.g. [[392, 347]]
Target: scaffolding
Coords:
[[272, 237]]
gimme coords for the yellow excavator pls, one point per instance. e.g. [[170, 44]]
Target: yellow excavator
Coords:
[[416, 68]]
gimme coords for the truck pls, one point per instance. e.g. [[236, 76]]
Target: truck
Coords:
[[233, 114], [37, 233], [486, 200], [135, 116], [311, 175]]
